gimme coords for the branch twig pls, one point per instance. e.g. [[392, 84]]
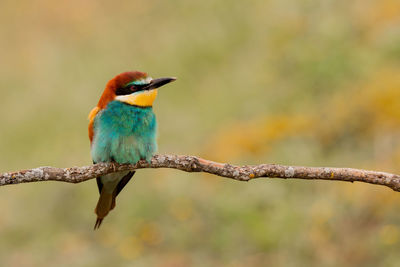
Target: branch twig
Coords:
[[195, 164]]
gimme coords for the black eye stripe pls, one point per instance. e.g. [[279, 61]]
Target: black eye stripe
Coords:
[[130, 89], [124, 90], [139, 87]]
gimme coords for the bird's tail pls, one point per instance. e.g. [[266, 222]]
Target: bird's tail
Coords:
[[104, 205]]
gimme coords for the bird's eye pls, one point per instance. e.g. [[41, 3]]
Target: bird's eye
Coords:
[[125, 90], [130, 88], [139, 87]]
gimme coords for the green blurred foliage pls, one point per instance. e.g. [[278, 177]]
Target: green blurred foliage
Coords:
[[293, 82]]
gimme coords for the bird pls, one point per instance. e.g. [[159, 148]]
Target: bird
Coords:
[[122, 129]]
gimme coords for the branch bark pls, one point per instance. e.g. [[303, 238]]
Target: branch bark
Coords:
[[196, 164]]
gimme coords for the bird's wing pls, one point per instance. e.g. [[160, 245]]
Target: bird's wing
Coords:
[[120, 185], [99, 183], [123, 182], [92, 116]]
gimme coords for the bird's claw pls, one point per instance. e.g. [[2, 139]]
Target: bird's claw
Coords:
[[146, 160], [114, 166]]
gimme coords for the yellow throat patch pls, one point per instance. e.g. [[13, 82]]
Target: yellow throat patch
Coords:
[[141, 99]]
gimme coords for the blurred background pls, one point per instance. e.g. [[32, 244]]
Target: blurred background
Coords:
[[313, 83]]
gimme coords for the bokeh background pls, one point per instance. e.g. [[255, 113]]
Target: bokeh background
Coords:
[[305, 82]]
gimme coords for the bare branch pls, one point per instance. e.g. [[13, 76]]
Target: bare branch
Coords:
[[195, 164]]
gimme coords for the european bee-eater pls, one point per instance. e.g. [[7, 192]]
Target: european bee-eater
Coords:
[[122, 129]]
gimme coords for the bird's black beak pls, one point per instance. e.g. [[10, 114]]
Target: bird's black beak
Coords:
[[155, 83]]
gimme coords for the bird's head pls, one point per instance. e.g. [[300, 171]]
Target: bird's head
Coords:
[[133, 88]]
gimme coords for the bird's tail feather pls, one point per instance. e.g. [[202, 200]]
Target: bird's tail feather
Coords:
[[98, 223], [104, 205]]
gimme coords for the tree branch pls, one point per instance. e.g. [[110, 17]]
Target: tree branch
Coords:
[[195, 164]]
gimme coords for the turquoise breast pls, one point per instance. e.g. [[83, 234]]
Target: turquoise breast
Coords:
[[124, 134]]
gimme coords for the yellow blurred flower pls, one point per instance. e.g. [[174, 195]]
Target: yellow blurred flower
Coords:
[[130, 248], [150, 234]]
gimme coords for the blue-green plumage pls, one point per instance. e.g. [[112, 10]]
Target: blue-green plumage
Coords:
[[122, 129], [124, 133]]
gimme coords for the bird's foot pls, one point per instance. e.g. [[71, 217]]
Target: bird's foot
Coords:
[[114, 166], [146, 159]]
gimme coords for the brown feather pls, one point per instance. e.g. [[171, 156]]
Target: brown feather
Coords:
[[117, 82], [107, 200], [103, 206]]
